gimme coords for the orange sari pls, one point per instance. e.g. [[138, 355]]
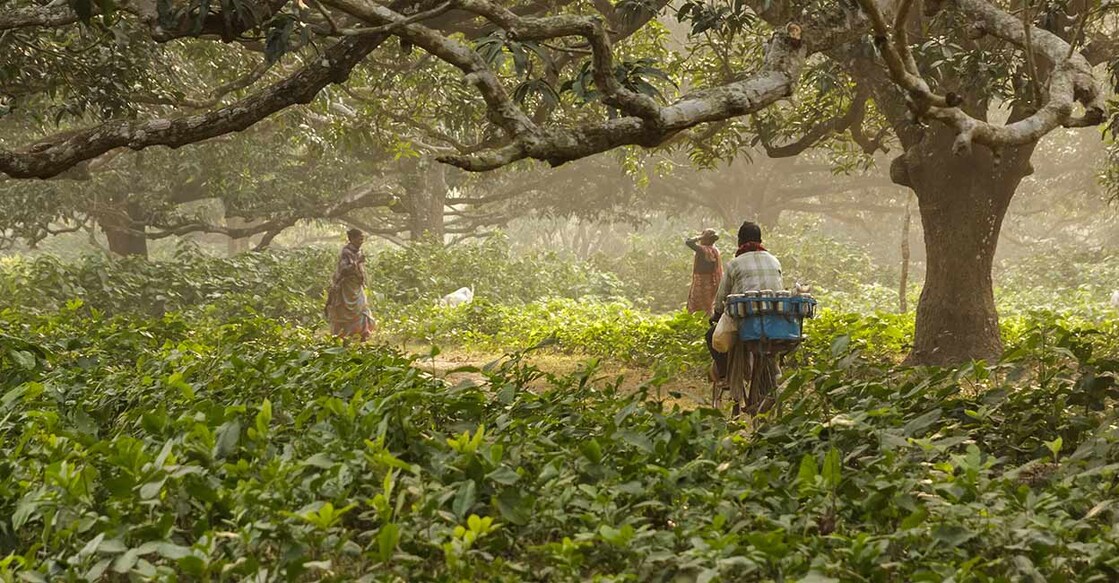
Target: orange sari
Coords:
[[707, 271]]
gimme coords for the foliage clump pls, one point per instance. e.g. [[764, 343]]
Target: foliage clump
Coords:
[[168, 448]]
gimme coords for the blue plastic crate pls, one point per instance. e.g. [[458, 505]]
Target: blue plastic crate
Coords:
[[771, 318]]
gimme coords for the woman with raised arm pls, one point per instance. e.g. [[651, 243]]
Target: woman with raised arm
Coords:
[[707, 270]]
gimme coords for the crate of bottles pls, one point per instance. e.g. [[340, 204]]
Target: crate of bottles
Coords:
[[767, 315]]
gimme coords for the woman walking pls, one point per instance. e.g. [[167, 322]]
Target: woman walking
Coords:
[[346, 306]]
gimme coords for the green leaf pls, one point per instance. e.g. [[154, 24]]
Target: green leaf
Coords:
[[263, 418], [1026, 569], [513, 507], [111, 546], [25, 510], [126, 561], [918, 425], [832, 467], [319, 460], [1054, 446], [277, 39], [915, 519], [952, 534], [637, 440], [229, 434], [192, 565], [91, 546], [387, 539], [24, 359], [592, 450], [154, 421], [619, 537], [464, 499], [32, 577], [151, 490], [504, 475], [520, 59], [178, 382], [807, 472], [11, 396], [98, 569]]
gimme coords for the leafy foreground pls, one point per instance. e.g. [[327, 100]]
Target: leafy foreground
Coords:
[[154, 448]]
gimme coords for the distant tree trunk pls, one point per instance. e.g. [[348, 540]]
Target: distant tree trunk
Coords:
[[236, 246], [903, 300], [585, 239], [962, 200], [768, 216], [740, 195], [426, 220], [426, 189], [123, 225]]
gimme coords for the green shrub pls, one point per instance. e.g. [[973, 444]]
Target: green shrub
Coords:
[[170, 448], [1059, 280], [422, 272]]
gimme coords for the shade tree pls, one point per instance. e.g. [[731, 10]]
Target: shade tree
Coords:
[[936, 71]]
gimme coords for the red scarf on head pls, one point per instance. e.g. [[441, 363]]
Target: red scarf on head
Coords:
[[749, 247]]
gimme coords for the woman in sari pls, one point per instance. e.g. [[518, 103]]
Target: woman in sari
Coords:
[[346, 306], [707, 270]]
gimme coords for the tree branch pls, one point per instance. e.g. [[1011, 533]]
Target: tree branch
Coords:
[[216, 94], [367, 199], [32, 16], [839, 123], [1070, 80], [591, 29], [502, 111], [394, 26], [654, 123], [53, 156]]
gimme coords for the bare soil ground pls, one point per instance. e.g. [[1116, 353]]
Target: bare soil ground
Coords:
[[688, 390]]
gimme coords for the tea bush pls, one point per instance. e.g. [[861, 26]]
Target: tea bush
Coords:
[[284, 285], [427, 272], [655, 272], [171, 448], [291, 284], [592, 328], [1060, 280]]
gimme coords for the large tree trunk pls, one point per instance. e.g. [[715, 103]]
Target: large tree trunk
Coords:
[[962, 200], [123, 225], [903, 285]]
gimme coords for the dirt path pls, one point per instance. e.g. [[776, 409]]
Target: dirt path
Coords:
[[687, 390]]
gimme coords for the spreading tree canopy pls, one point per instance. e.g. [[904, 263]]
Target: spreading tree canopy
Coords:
[[964, 89]]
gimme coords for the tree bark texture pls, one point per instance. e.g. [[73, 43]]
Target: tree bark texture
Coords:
[[903, 285], [236, 245], [426, 190], [962, 199], [123, 227]]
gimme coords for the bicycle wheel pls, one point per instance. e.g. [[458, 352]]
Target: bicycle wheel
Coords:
[[763, 384]]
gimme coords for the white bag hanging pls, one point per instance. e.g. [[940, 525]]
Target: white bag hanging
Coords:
[[725, 333]]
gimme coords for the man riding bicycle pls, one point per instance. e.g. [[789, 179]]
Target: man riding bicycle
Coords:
[[752, 269]]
